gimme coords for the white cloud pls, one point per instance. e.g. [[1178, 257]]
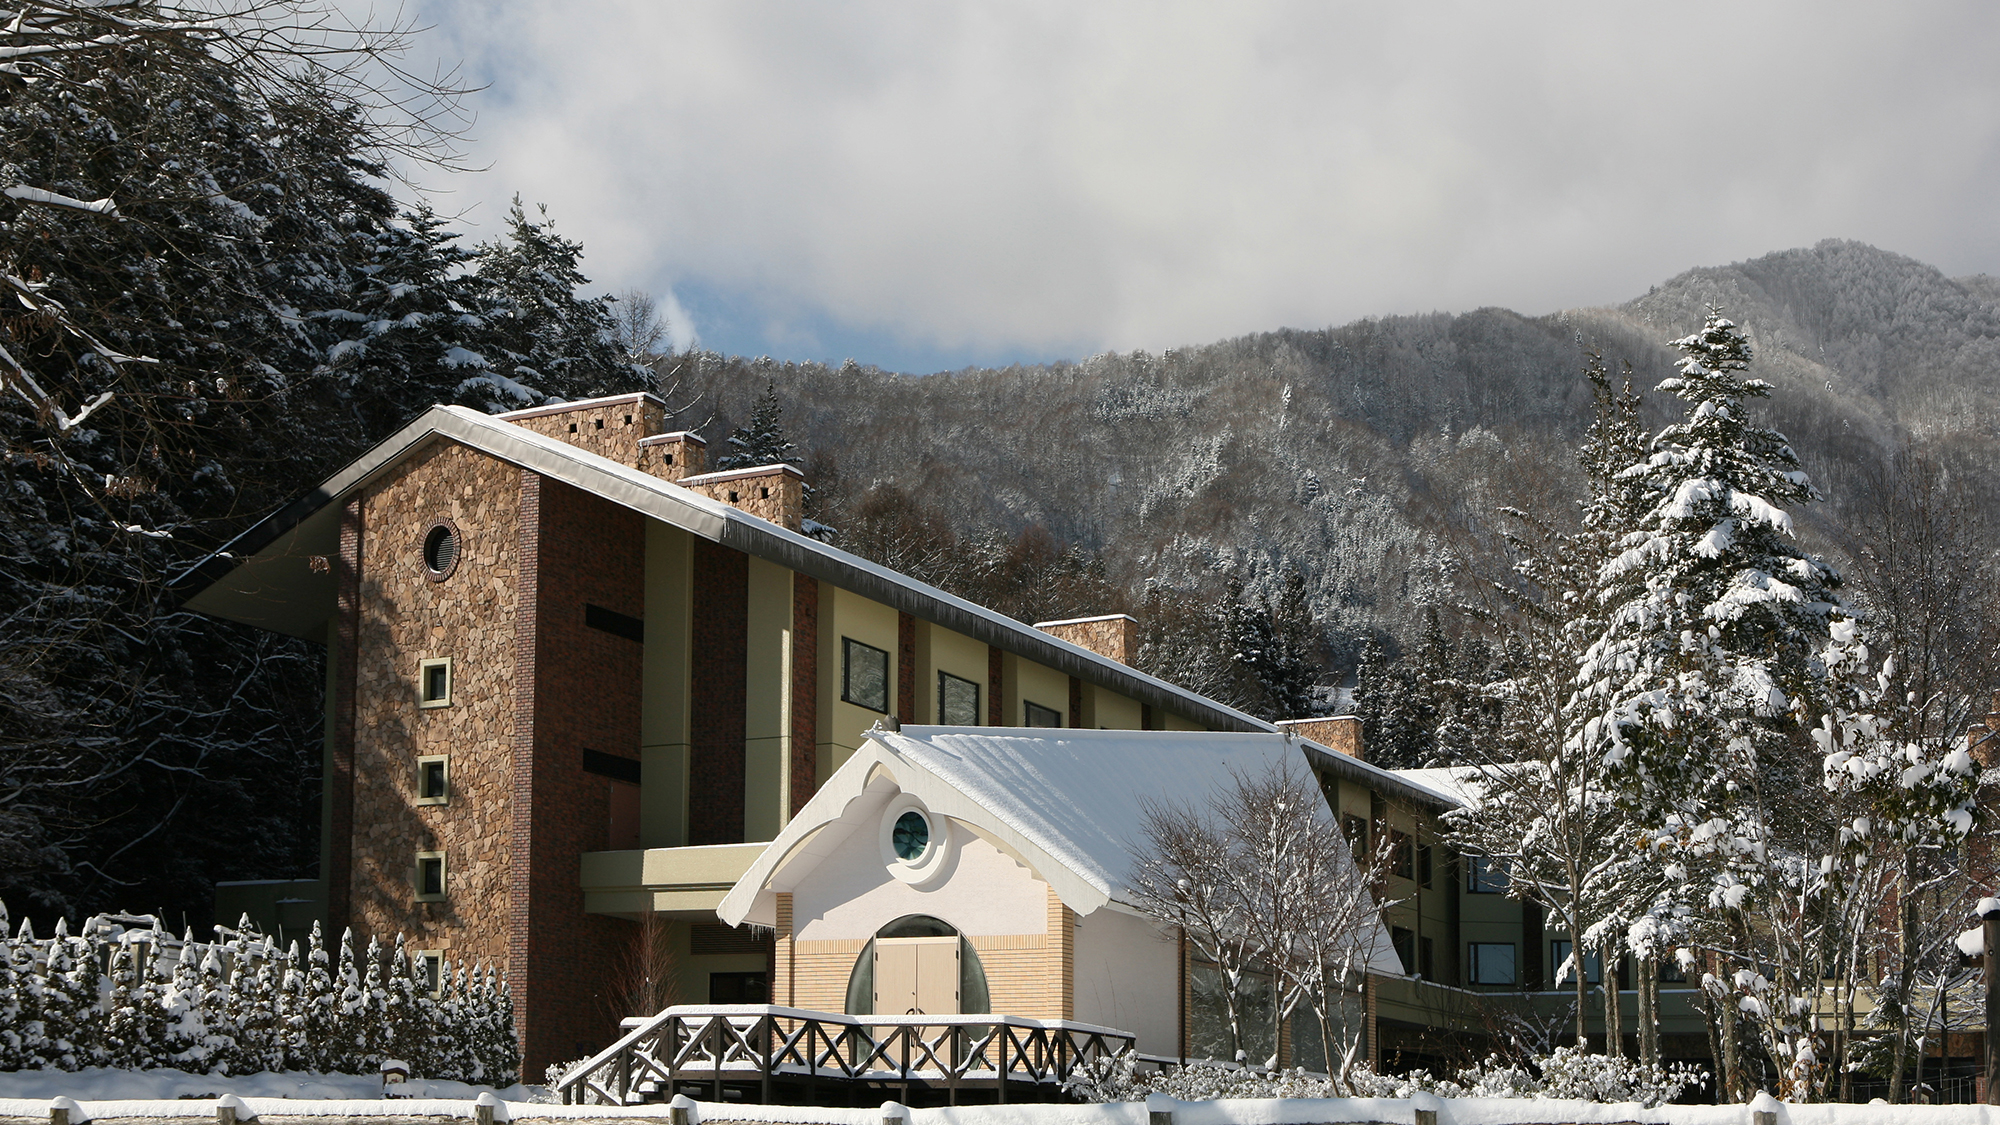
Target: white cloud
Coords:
[[1064, 177]]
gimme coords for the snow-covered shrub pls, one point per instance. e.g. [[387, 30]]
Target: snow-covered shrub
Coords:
[[122, 992], [1566, 1073]]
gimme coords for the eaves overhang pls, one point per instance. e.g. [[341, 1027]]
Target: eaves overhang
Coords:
[[1326, 761], [277, 574]]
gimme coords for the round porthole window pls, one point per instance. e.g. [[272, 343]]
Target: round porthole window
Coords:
[[911, 837], [916, 843], [441, 549]]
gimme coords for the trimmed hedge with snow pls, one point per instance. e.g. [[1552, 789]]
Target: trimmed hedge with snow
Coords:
[[125, 993]]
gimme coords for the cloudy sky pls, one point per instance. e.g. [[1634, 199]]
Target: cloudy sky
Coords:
[[927, 185]]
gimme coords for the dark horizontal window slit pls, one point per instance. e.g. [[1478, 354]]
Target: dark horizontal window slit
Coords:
[[611, 766], [615, 623]]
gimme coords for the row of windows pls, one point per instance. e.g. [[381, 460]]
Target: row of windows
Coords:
[[1492, 962], [864, 682]]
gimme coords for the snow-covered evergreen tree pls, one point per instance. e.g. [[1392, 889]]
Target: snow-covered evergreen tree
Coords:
[[539, 331], [761, 440], [1721, 645], [320, 1024], [11, 1056]]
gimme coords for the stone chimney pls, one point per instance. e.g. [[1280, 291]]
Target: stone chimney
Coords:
[[609, 427], [626, 429], [1341, 733], [773, 492], [675, 456], [1114, 636]]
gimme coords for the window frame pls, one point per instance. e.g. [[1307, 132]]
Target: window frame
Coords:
[[443, 880], [426, 701], [1559, 950], [847, 647], [945, 678], [1485, 876], [429, 964], [443, 795], [1472, 966], [1028, 709]]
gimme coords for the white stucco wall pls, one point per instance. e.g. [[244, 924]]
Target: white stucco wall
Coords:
[[1128, 977], [850, 894]]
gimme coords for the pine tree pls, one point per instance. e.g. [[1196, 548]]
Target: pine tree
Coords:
[[11, 1018], [539, 332], [414, 328], [125, 1040], [319, 1022], [291, 1012], [185, 1042], [402, 1020], [761, 440], [1715, 655], [27, 968]]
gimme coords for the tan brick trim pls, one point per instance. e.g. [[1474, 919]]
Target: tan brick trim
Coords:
[[997, 942], [1061, 958], [784, 968]]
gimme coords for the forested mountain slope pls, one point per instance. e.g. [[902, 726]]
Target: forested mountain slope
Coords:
[[1371, 458]]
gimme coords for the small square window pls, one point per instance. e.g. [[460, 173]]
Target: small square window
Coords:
[[1040, 716], [430, 877], [732, 496], [1490, 962], [864, 678], [434, 683], [958, 701], [430, 971], [670, 458], [599, 425], [434, 780]]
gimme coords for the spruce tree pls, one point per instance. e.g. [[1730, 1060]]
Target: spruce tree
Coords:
[[539, 332], [1719, 648], [11, 1057], [761, 440]]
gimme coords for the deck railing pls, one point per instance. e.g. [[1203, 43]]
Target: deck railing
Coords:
[[765, 1044]]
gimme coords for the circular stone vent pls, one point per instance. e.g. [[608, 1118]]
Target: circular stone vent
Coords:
[[441, 550]]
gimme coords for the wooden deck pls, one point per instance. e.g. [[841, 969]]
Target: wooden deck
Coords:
[[776, 1055]]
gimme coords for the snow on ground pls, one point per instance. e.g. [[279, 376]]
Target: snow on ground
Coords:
[[103, 1094]]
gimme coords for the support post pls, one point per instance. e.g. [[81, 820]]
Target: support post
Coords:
[[1990, 931]]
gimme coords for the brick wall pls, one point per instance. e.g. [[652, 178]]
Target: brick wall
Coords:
[[577, 688], [340, 780], [716, 727], [996, 704], [906, 668]]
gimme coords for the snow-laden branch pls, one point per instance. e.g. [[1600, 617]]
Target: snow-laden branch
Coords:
[[50, 312], [26, 194]]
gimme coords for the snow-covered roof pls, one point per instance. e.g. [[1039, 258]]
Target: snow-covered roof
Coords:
[[1448, 782], [1071, 803], [264, 576]]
